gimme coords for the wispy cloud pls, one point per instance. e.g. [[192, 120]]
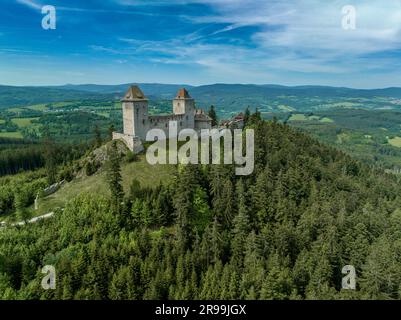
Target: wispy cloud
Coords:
[[107, 49], [31, 4], [238, 40]]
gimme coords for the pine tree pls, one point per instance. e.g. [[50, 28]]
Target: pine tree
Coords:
[[278, 284], [216, 242], [247, 115], [186, 184], [228, 197], [50, 158], [241, 227], [98, 137], [212, 114], [114, 176], [111, 130]]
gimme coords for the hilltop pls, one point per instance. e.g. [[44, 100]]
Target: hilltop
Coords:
[[83, 179], [284, 232]]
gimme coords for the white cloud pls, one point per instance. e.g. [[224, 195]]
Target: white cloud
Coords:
[[293, 36], [31, 4]]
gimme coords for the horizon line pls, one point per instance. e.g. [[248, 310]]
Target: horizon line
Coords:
[[194, 85]]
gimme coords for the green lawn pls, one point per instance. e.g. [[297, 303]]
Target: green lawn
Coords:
[[147, 174], [17, 135], [60, 104], [326, 120], [344, 104], [342, 137], [298, 117], [285, 108], [396, 142], [104, 114], [303, 117], [2, 121], [15, 110], [23, 122], [38, 107]]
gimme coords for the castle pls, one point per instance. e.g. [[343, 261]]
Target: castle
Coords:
[[137, 121]]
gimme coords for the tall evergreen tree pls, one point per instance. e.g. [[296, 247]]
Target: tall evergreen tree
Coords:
[[50, 158], [110, 131], [212, 114], [114, 178], [241, 227], [247, 114], [98, 136]]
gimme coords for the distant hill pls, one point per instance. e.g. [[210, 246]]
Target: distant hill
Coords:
[[155, 90], [268, 90], [228, 98], [23, 96]]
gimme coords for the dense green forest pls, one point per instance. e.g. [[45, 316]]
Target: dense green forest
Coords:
[[27, 168], [11, 96], [284, 232], [373, 136]]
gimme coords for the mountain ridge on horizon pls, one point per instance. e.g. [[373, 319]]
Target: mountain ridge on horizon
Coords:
[[265, 85], [231, 97]]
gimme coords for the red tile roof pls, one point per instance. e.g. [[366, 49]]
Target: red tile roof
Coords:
[[134, 94], [183, 93]]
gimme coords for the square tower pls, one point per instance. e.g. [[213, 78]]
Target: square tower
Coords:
[[135, 113], [183, 104]]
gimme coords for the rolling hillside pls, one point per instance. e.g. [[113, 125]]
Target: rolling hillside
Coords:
[[23, 96], [228, 98], [284, 232]]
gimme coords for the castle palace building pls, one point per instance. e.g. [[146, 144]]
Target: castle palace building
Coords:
[[137, 121]]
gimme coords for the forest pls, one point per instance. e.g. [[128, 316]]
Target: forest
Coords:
[[284, 232], [368, 135]]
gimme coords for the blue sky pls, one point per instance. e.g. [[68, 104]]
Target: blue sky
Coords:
[[293, 42]]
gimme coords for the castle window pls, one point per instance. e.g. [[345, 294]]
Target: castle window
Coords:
[[166, 125], [180, 123], [187, 117], [143, 121]]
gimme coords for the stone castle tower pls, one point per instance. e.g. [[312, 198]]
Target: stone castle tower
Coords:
[[183, 104], [135, 112], [137, 121]]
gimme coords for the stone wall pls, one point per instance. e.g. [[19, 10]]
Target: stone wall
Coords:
[[199, 125], [133, 143]]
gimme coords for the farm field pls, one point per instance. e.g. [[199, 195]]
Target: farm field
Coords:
[[23, 122], [15, 135], [396, 142]]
